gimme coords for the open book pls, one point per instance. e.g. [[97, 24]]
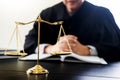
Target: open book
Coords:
[[72, 57]]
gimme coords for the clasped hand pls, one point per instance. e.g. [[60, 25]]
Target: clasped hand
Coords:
[[63, 46]]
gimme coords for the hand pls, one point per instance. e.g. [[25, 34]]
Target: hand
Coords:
[[62, 46]]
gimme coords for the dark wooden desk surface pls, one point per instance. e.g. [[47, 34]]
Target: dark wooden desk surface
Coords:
[[13, 69]]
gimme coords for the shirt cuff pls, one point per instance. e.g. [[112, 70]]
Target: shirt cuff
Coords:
[[42, 46], [93, 51]]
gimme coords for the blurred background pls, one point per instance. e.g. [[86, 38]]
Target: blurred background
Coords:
[[28, 10]]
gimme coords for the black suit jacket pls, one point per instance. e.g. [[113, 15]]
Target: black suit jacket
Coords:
[[93, 25]]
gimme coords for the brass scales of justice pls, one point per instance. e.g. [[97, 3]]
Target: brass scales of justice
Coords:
[[38, 69]]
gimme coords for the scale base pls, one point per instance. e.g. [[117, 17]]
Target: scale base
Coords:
[[37, 69]]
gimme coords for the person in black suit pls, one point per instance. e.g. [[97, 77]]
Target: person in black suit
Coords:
[[90, 30]]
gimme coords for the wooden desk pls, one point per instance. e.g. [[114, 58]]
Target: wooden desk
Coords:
[[13, 69]]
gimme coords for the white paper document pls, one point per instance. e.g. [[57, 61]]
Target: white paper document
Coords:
[[72, 57]]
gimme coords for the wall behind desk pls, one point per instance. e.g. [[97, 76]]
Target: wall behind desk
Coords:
[[28, 10], [19, 10]]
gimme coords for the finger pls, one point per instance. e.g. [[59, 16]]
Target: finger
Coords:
[[69, 37]]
